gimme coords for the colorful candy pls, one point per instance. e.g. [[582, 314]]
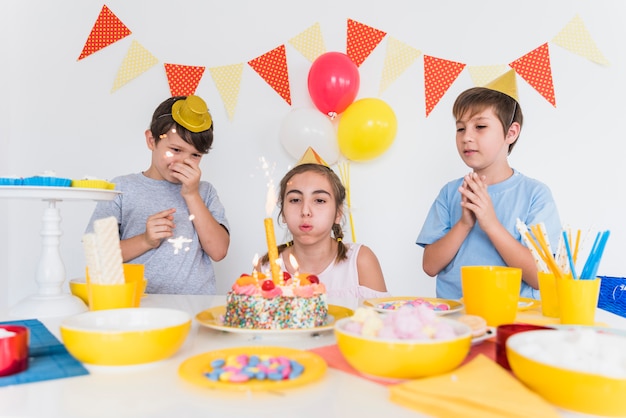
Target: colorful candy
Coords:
[[393, 305], [242, 368]]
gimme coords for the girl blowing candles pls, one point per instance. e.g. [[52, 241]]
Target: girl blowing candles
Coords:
[[311, 201]]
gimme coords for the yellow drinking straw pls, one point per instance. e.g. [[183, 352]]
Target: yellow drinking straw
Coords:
[[344, 172], [547, 252]]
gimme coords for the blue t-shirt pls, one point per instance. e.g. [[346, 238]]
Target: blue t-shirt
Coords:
[[178, 265], [516, 197]]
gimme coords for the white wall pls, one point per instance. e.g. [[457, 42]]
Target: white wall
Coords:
[[58, 113]]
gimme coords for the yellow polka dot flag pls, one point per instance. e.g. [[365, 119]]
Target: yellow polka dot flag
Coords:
[[272, 67], [361, 41], [575, 38], [400, 56], [183, 79], [439, 74], [227, 79], [534, 67], [108, 29], [310, 42], [137, 61]]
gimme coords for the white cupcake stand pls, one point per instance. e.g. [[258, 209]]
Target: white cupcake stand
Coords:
[[50, 300]]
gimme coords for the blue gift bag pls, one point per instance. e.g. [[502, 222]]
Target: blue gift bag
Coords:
[[612, 296]]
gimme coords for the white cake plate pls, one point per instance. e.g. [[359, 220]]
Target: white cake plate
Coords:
[[50, 301]]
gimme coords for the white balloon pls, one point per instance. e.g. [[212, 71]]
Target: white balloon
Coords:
[[305, 127]]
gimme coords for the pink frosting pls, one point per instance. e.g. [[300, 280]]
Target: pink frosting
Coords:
[[248, 290], [269, 294]]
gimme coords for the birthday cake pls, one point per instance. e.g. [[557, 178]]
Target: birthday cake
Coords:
[[257, 302]]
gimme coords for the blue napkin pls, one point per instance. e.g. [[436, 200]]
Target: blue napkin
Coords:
[[48, 357]]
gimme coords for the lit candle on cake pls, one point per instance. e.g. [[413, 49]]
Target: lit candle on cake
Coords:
[[255, 261], [294, 264], [272, 249]]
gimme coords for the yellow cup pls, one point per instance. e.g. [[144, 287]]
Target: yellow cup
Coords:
[[109, 296], [134, 273], [549, 296], [491, 292], [578, 300]]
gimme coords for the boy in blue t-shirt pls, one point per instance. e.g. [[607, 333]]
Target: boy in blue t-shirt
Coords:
[[473, 219]]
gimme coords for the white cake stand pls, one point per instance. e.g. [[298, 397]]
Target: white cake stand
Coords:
[[50, 301]]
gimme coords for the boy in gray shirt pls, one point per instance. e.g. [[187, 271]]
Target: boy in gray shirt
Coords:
[[169, 220]]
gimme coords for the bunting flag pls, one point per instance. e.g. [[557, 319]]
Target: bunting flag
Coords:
[[310, 42], [227, 80], [137, 61], [439, 74], [183, 79], [361, 41], [107, 30], [575, 38], [272, 67], [535, 68], [399, 57], [483, 74]]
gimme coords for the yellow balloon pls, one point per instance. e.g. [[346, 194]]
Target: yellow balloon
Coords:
[[366, 129]]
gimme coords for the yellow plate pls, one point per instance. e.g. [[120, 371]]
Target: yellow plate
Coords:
[[212, 318], [454, 305], [194, 368], [527, 303]]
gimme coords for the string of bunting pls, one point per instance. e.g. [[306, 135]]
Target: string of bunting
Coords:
[[439, 73]]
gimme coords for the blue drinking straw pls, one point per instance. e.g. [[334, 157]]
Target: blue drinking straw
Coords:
[[596, 264], [569, 255], [593, 262]]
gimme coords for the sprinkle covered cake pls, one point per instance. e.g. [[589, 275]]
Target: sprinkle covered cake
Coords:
[[256, 302]]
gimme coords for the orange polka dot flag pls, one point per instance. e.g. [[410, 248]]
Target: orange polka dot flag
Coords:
[[534, 67], [107, 30], [439, 74], [272, 67], [183, 79], [361, 41]]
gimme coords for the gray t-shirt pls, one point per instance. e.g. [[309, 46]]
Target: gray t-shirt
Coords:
[[178, 265]]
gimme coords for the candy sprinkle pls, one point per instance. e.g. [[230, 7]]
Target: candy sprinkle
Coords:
[[242, 368]]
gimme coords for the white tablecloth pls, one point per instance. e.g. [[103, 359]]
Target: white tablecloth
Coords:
[[156, 390]]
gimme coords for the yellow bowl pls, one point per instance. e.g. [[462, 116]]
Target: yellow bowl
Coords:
[[78, 288], [536, 358], [120, 337], [403, 359]]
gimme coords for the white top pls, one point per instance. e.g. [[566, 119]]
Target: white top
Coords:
[[342, 279]]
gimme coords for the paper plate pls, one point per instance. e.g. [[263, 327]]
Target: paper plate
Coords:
[[527, 303], [212, 318], [491, 332], [194, 368], [455, 306]]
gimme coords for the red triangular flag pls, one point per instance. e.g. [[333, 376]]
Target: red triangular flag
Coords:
[[183, 79], [272, 67], [108, 29], [361, 41], [439, 74], [535, 68]]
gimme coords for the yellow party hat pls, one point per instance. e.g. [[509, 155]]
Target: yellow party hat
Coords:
[[311, 157], [506, 84], [192, 113]]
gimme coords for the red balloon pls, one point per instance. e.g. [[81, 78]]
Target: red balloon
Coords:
[[333, 82]]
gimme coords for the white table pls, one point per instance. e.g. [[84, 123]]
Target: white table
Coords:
[[155, 390], [50, 299]]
